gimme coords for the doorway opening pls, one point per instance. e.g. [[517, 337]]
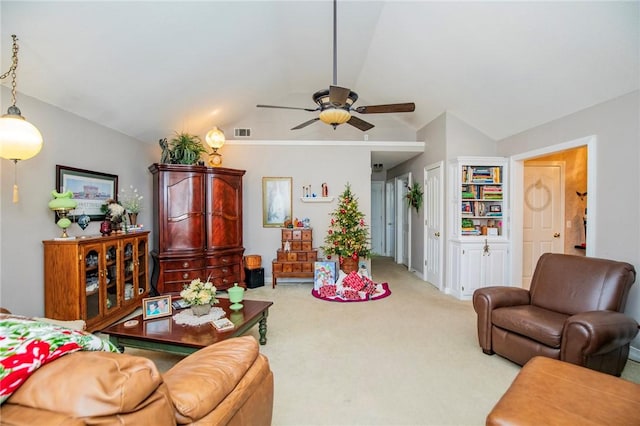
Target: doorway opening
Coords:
[[580, 158]]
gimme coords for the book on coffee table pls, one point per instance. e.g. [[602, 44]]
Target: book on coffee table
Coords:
[[223, 324]]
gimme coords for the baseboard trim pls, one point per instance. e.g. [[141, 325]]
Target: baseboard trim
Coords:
[[634, 354]]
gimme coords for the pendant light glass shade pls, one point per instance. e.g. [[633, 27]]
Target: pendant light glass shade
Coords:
[[215, 138], [19, 139]]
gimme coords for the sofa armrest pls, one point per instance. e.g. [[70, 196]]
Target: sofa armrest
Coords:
[[595, 333], [201, 381], [102, 385], [486, 299]]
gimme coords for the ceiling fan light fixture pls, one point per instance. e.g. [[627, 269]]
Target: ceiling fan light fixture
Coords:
[[335, 116]]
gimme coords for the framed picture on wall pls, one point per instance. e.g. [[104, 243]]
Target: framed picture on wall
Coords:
[[276, 201], [90, 189]]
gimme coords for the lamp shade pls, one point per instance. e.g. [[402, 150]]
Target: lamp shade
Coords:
[[215, 138], [19, 139], [335, 116]]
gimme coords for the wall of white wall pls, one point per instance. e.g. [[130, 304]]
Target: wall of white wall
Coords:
[[616, 125], [71, 141], [446, 137], [330, 162]]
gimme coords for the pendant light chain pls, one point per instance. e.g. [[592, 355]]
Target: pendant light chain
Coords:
[[12, 70]]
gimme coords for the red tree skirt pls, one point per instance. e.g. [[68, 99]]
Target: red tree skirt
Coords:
[[382, 291]]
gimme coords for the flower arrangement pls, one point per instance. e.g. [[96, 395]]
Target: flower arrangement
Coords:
[[199, 293], [131, 200], [113, 211]]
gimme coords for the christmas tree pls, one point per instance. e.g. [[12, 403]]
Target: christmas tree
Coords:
[[348, 234]]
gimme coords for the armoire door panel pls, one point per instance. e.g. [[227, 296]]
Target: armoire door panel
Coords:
[[185, 225], [225, 214]]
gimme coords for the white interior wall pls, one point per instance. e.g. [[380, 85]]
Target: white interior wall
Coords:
[[335, 164]]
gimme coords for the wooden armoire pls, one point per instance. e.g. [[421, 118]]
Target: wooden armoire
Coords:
[[197, 226]]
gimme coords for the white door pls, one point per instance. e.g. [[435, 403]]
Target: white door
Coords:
[[377, 217], [390, 219], [543, 213], [434, 230]]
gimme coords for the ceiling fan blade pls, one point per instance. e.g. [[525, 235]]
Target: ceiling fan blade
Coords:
[[305, 124], [338, 95], [360, 124], [284, 107], [379, 109]]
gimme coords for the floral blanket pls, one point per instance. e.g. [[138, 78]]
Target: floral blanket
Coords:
[[26, 344]]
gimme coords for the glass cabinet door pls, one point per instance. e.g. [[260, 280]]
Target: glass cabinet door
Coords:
[[111, 276], [91, 277], [142, 266], [129, 262]]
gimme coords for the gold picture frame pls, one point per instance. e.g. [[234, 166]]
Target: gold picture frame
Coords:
[[276, 201], [156, 307]]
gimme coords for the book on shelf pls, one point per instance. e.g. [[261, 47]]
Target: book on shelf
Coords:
[[223, 324]]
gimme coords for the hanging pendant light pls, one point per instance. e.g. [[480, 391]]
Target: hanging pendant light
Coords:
[[19, 139]]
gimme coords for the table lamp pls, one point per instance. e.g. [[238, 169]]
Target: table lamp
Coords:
[[62, 204]]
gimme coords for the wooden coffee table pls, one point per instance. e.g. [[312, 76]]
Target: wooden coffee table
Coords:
[[164, 334]]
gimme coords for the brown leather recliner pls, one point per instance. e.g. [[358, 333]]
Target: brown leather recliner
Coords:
[[572, 312]]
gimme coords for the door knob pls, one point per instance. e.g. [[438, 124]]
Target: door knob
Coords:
[[556, 235], [437, 234]]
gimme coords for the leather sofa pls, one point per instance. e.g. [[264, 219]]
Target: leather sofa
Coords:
[[229, 383], [572, 312]]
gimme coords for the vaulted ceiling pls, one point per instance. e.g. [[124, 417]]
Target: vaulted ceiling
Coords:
[[146, 68]]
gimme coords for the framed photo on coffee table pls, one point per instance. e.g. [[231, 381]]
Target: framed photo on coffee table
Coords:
[[156, 307]]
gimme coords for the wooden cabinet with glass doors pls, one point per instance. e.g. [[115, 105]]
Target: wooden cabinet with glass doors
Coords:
[[96, 279]]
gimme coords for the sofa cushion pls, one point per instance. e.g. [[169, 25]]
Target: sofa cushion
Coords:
[[26, 344], [551, 392], [85, 384], [201, 381], [539, 324]]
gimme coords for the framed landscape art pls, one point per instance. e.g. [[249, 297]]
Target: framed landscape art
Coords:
[[90, 189]]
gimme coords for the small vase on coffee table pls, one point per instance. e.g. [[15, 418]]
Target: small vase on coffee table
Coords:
[[200, 310]]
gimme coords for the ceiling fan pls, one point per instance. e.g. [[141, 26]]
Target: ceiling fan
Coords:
[[336, 103]]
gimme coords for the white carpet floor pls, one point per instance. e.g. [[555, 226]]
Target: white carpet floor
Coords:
[[409, 359]]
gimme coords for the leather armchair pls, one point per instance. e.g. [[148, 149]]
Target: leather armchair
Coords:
[[573, 312]]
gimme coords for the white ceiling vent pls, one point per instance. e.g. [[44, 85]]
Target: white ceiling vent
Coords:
[[242, 133]]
